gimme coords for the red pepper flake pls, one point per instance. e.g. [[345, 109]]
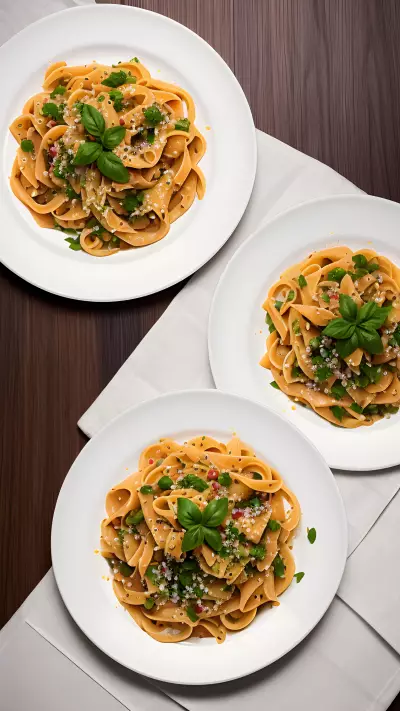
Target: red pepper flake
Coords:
[[151, 461], [199, 608], [237, 514], [215, 485], [121, 122], [212, 474], [335, 297], [51, 123]]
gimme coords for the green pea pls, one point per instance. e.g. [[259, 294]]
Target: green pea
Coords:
[[165, 483]]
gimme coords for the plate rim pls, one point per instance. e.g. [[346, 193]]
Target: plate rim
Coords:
[[211, 392], [251, 168], [362, 197]]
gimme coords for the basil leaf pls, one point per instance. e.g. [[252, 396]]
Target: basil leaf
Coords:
[[311, 535], [356, 408], [346, 347], [278, 304], [337, 274], [215, 512], [325, 297], [165, 483], [372, 267], [182, 125], [274, 384], [27, 145], [302, 281], [359, 260], [372, 372], [93, 121], [372, 316], [347, 307], [188, 513], [279, 567], [213, 538], [112, 167], [112, 137], [298, 576], [115, 79], [290, 295], [193, 537], [339, 328], [369, 340], [87, 153]]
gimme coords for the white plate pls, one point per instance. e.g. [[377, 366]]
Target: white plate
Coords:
[[237, 329], [105, 461], [174, 54]]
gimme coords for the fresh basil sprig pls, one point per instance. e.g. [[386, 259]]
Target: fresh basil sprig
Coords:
[[357, 327], [108, 163], [201, 526]]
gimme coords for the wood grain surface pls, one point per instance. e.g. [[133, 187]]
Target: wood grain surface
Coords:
[[321, 75]]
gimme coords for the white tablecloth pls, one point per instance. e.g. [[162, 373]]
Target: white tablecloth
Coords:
[[344, 664]]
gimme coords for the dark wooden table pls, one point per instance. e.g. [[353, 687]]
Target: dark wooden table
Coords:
[[321, 75]]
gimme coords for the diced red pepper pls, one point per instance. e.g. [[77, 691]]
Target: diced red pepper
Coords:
[[199, 608], [212, 474], [237, 514], [335, 297], [121, 122], [51, 123], [53, 151], [151, 461], [215, 485]]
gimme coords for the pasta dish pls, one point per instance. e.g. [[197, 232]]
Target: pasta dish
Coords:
[[108, 155], [334, 342], [199, 538]]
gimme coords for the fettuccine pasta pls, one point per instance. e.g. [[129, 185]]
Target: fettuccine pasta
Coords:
[[108, 154], [199, 538], [334, 342]]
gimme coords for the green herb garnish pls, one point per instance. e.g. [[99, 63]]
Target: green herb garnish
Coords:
[[117, 79], [182, 125], [201, 525], [146, 489], [337, 412], [58, 91], [278, 304], [274, 384], [153, 115], [191, 613], [337, 390], [290, 295], [302, 281], [311, 535], [270, 323], [325, 297], [165, 483], [357, 327], [225, 479], [125, 569], [273, 525], [192, 481], [27, 145], [257, 552], [279, 567], [298, 576], [337, 274], [132, 201], [134, 517], [149, 603], [356, 408]]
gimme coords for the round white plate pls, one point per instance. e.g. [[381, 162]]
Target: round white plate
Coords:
[[237, 328], [112, 453], [109, 33]]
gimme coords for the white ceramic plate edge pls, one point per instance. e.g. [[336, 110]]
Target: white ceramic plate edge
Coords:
[[343, 532]]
